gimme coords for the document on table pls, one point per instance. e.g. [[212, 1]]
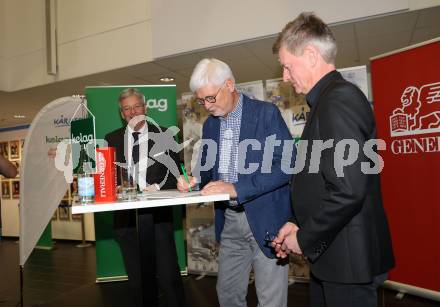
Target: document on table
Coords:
[[167, 194]]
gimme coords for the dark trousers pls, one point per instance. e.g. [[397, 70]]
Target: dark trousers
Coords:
[[329, 294], [137, 260]]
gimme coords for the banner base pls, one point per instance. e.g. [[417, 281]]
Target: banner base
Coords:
[[184, 272], [404, 288], [47, 248], [111, 279], [82, 245]]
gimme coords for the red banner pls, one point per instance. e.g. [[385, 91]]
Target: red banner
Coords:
[[406, 97]]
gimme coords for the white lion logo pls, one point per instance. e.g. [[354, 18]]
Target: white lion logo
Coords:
[[420, 111]]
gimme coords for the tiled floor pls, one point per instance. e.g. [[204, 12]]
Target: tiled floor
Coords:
[[65, 277]]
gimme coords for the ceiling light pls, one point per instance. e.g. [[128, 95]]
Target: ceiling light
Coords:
[[19, 116], [166, 79]]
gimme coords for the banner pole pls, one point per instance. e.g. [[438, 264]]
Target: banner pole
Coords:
[[21, 286], [83, 234]]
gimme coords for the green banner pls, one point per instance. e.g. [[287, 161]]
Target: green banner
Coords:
[[161, 107], [45, 241]]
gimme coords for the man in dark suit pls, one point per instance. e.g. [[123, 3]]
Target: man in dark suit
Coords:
[[133, 144], [249, 137], [340, 223]]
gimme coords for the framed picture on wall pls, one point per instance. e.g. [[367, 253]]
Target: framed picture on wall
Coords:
[[55, 215], [6, 189], [15, 188], [66, 195], [14, 150], [76, 217], [21, 148], [4, 149], [63, 210], [74, 187]]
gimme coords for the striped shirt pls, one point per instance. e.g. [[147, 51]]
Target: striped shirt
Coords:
[[229, 139]]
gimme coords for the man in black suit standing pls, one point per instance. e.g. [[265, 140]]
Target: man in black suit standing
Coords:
[[133, 144], [340, 224]]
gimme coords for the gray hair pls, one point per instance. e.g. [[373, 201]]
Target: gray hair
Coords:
[[128, 92], [210, 71], [307, 29]]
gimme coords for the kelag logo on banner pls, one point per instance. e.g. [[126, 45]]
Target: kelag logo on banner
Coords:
[[82, 132], [159, 104], [419, 114]]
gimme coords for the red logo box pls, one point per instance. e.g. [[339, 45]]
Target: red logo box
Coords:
[[105, 176]]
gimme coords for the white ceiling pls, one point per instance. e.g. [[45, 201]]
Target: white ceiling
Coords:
[[252, 60]]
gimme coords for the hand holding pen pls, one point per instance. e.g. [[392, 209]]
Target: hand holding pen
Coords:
[[185, 183]]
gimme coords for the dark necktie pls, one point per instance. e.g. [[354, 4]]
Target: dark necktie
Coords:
[[135, 148]]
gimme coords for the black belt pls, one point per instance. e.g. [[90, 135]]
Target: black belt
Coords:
[[237, 208]]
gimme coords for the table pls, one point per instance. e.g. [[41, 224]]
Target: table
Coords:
[[150, 200]]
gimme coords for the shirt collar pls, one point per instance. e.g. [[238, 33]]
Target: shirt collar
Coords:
[[313, 95], [236, 113], [144, 129]]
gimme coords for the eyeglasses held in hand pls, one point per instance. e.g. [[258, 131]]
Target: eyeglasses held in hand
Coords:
[[268, 238]]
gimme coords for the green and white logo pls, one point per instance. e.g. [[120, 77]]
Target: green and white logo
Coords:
[[82, 132], [159, 104]]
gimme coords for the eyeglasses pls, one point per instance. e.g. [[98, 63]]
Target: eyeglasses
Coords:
[[210, 99], [136, 107], [268, 238]]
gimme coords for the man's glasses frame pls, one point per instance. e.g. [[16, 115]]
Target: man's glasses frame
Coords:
[[210, 99], [136, 107]]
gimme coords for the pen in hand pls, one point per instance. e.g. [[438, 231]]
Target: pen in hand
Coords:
[[185, 175]]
